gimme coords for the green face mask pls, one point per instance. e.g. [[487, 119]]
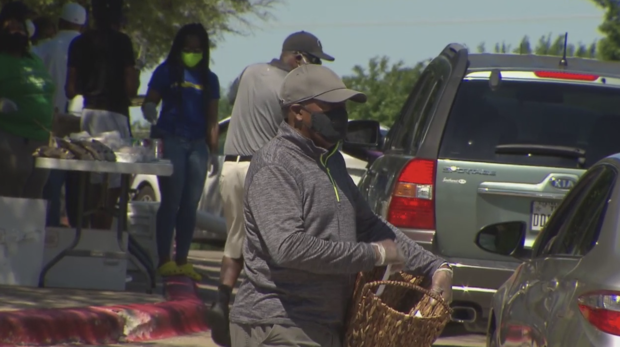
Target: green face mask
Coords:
[[191, 59]]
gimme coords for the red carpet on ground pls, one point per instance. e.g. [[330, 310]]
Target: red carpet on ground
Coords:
[[182, 313]]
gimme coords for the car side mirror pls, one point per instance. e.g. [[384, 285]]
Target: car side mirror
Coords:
[[363, 134], [363, 139], [506, 238]]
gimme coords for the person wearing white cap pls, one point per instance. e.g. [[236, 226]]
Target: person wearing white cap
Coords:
[[54, 54]]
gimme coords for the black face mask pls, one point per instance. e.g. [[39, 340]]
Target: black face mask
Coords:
[[15, 41], [331, 125]]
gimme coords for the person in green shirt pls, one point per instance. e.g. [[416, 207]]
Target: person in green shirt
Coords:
[[26, 107]]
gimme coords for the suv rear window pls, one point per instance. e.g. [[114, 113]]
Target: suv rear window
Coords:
[[544, 113]]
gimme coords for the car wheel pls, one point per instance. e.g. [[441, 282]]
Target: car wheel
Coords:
[[145, 193]]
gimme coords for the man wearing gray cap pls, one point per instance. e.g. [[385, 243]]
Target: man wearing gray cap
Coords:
[[254, 121], [309, 232]]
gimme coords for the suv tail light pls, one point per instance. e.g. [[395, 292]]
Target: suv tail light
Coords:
[[412, 204], [602, 310], [566, 76]]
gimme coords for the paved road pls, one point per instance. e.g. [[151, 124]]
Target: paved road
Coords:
[[204, 340], [208, 263]]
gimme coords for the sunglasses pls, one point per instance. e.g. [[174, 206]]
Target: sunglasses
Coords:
[[309, 58]]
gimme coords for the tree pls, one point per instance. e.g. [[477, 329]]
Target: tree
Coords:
[[609, 46], [387, 86], [152, 24], [502, 48], [524, 46]]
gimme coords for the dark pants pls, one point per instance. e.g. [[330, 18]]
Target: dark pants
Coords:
[[180, 194], [308, 335]]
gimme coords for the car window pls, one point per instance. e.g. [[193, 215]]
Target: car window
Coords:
[[442, 70], [560, 219], [583, 116], [584, 224], [421, 126], [399, 139]]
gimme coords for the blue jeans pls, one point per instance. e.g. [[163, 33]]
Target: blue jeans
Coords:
[[52, 193], [180, 194]]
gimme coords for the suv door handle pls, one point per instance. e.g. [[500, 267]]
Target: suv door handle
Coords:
[[524, 190]]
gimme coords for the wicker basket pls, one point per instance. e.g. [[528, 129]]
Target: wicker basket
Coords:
[[390, 320]]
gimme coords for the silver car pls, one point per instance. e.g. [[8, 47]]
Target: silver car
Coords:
[[567, 290]]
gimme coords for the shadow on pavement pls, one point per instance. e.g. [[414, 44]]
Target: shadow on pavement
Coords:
[[20, 298]]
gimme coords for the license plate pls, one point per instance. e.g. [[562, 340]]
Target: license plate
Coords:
[[541, 212]]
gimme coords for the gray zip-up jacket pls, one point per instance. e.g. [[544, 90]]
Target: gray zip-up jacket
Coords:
[[308, 235]]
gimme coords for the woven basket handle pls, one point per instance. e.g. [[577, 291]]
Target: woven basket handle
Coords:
[[411, 286]]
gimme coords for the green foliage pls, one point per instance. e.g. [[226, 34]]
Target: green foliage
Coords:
[[546, 45], [152, 24], [387, 86], [609, 46], [501, 48], [524, 46], [224, 107]]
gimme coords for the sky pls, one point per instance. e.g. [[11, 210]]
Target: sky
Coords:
[[353, 31]]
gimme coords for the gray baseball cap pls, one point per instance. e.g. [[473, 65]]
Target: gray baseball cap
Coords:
[[316, 82]]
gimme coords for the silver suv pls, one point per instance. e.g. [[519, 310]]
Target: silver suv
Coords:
[[490, 138]]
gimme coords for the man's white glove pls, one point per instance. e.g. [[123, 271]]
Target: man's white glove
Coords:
[[214, 165], [442, 283], [149, 112], [7, 105], [388, 253]]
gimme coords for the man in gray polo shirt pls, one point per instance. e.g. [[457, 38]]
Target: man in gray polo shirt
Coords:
[[309, 231], [255, 119]]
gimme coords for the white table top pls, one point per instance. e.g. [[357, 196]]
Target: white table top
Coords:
[[159, 168]]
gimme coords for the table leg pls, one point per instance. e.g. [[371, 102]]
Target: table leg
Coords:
[[134, 248], [123, 202], [83, 178]]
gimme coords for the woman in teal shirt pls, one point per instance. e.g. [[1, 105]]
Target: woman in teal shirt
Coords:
[[26, 107]]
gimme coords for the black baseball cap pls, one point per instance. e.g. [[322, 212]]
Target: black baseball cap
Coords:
[[303, 41]]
